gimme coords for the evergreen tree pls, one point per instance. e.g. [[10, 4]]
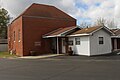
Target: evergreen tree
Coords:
[[4, 20]]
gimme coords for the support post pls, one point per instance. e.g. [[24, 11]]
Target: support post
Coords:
[[115, 44], [57, 46]]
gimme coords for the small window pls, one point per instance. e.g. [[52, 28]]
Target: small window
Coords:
[[70, 42], [77, 41], [19, 35], [14, 35], [101, 40]]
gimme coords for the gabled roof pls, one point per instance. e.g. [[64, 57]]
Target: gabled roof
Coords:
[[45, 11], [41, 10], [89, 31], [60, 32]]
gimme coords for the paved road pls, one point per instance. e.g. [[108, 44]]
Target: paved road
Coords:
[[61, 68]]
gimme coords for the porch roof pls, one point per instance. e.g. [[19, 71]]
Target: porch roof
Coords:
[[59, 32]]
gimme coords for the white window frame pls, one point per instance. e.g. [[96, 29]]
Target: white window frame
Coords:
[[77, 41], [102, 41]]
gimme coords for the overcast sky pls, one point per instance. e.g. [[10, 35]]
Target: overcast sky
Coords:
[[82, 10]]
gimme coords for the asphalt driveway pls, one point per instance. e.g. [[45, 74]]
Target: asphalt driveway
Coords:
[[61, 68], [94, 58]]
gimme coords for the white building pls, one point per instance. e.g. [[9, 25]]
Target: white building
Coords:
[[87, 41], [91, 41]]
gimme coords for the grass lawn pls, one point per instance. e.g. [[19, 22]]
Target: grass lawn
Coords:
[[7, 55]]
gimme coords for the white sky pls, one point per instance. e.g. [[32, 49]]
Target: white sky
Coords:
[[82, 10]]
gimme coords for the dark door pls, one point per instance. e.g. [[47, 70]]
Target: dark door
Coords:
[[53, 45]]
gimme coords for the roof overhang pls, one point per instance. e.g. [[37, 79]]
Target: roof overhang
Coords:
[[78, 35], [63, 34], [115, 36], [54, 36]]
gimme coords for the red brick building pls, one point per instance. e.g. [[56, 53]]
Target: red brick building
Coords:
[[26, 31]]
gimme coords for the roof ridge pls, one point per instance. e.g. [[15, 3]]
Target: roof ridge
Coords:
[[42, 4]]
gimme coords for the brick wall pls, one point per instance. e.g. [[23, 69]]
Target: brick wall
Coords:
[[34, 28]]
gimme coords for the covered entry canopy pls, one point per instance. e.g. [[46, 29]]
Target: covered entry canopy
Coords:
[[59, 34]]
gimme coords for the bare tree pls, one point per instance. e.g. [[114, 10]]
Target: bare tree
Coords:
[[85, 25], [101, 21], [111, 24], [105, 22]]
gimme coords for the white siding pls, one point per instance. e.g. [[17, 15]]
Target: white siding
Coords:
[[83, 48], [95, 47]]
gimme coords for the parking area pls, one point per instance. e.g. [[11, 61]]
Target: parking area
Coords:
[[83, 58], [61, 68]]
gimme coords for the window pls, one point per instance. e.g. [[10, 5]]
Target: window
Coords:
[[70, 42], [19, 35], [101, 40], [14, 35], [77, 41]]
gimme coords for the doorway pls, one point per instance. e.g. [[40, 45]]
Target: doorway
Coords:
[[53, 45], [63, 45]]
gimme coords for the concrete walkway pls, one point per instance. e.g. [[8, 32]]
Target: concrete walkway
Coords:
[[41, 56]]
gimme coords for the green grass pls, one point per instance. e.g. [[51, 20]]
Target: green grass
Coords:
[[7, 55]]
